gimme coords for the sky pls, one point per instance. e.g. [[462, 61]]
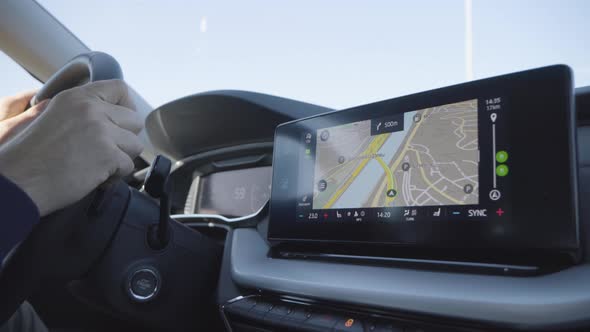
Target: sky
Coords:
[[335, 53]]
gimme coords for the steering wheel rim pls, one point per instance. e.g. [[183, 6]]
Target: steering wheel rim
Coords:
[[18, 279], [82, 69]]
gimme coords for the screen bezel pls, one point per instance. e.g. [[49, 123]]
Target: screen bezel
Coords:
[[548, 217]]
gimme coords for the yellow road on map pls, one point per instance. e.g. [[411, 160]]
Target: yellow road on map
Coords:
[[373, 147], [402, 153], [390, 178]]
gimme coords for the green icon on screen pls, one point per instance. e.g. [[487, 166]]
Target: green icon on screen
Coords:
[[501, 156], [502, 170]]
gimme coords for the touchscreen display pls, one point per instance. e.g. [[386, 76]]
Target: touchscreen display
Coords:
[[487, 163], [420, 158]]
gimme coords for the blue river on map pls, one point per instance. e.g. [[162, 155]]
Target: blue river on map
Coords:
[[360, 189]]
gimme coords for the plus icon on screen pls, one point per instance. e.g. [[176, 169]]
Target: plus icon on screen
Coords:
[[500, 212]]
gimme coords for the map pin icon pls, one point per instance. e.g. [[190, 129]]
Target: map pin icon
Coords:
[[493, 117]]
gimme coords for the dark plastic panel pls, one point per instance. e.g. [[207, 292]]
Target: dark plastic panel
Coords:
[[218, 119]]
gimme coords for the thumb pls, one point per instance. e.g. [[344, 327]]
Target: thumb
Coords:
[[14, 125], [14, 105]]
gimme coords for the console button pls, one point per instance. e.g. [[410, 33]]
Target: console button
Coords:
[[297, 315], [241, 306], [321, 321], [281, 310], [143, 284], [383, 326], [259, 310], [348, 323], [277, 313], [253, 301]]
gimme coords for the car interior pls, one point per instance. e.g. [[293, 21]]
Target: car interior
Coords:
[[440, 210]]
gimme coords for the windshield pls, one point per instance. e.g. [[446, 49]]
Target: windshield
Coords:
[[332, 53]]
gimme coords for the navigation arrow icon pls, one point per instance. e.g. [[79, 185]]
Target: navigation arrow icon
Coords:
[[495, 194]]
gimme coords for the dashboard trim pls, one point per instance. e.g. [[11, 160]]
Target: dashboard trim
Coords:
[[550, 301], [216, 219]]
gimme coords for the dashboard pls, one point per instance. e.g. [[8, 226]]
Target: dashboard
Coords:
[[272, 281]]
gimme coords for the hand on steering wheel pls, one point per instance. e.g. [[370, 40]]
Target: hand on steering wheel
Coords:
[[85, 136], [98, 245]]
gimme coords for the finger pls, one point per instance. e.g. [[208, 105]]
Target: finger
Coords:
[[112, 91], [17, 123], [16, 104], [124, 118], [25, 96], [127, 142], [30, 114], [124, 165]]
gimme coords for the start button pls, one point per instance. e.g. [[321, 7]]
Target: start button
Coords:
[[143, 284]]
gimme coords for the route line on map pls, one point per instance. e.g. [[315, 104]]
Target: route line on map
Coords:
[[403, 151], [390, 178]]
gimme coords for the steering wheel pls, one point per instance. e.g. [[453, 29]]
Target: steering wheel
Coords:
[[85, 68], [97, 246]]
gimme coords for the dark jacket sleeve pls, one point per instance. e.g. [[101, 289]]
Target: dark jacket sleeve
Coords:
[[18, 215]]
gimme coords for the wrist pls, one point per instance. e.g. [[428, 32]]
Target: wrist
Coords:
[[25, 183]]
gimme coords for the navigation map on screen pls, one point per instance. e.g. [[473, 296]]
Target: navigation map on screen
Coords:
[[418, 158]]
